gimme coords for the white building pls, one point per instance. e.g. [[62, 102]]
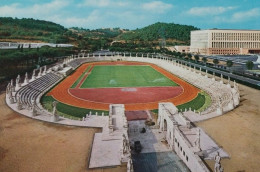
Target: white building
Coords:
[[216, 41]]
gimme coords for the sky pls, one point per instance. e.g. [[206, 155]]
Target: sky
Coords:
[[132, 14]]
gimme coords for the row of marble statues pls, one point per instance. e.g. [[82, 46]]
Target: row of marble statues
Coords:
[[14, 96]]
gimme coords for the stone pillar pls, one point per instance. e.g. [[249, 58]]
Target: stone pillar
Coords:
[[142, 55], [194, 69], [200, 70], [99, 55], [130, 55]]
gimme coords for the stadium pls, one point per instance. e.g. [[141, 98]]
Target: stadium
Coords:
[[114, 91]]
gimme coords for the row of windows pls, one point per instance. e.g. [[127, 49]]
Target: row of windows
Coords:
[[183, 152], [235, 44], [236, 36], [223, 51]]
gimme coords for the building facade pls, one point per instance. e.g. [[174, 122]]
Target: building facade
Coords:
[[217, 41]]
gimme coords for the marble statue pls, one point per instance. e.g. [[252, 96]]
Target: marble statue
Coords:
[[130, 165], [54, 117], [34, 112], [125, 145], [197, 141], [26, 80], [33, 75], [18, 81], [18, 101], [12, 86], [217, 166], [54, 111]]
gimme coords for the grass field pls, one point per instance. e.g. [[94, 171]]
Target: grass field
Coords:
[[80, 78], [125, 76], [67, 110]]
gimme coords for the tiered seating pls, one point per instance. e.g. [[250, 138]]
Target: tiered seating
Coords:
[[31, 91], [77, 62], [213, 88]]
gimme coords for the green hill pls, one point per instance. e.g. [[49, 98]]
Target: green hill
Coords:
[[32, 30], [160, 31]]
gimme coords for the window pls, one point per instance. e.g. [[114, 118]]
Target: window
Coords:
[[183, 153], [187, 158], [181, 148], [175, 140]]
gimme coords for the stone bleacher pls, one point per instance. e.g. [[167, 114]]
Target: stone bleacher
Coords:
[[31, 91]]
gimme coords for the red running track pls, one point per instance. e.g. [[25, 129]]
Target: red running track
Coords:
[[127, 95]]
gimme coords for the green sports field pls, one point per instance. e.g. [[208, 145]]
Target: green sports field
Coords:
[[125, 76]]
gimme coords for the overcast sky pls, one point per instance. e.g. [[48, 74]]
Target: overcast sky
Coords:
[[132, 14]]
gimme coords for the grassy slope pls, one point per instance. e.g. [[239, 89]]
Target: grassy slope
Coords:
[[67, 110], [125, 76]]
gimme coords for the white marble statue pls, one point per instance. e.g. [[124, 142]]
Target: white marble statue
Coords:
[[26, 80], [221, 79], [130, 165], [18, 101], [218, 167], [45, 70], [197, 141], [125, 145], [54, 111], [40, 72], [34, 112], [33, 75], [12, 86], [8, 89], [17, 82], [54, 117]]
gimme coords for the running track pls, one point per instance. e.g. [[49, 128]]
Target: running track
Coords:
[[146, 101]]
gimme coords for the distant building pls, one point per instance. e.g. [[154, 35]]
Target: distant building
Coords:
[[217, 41], [180, 48]]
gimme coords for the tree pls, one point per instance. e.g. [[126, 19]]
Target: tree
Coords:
[[189, 56], [249, 65], [229, 63], [204, 59], [216, 61], [197, 57]]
